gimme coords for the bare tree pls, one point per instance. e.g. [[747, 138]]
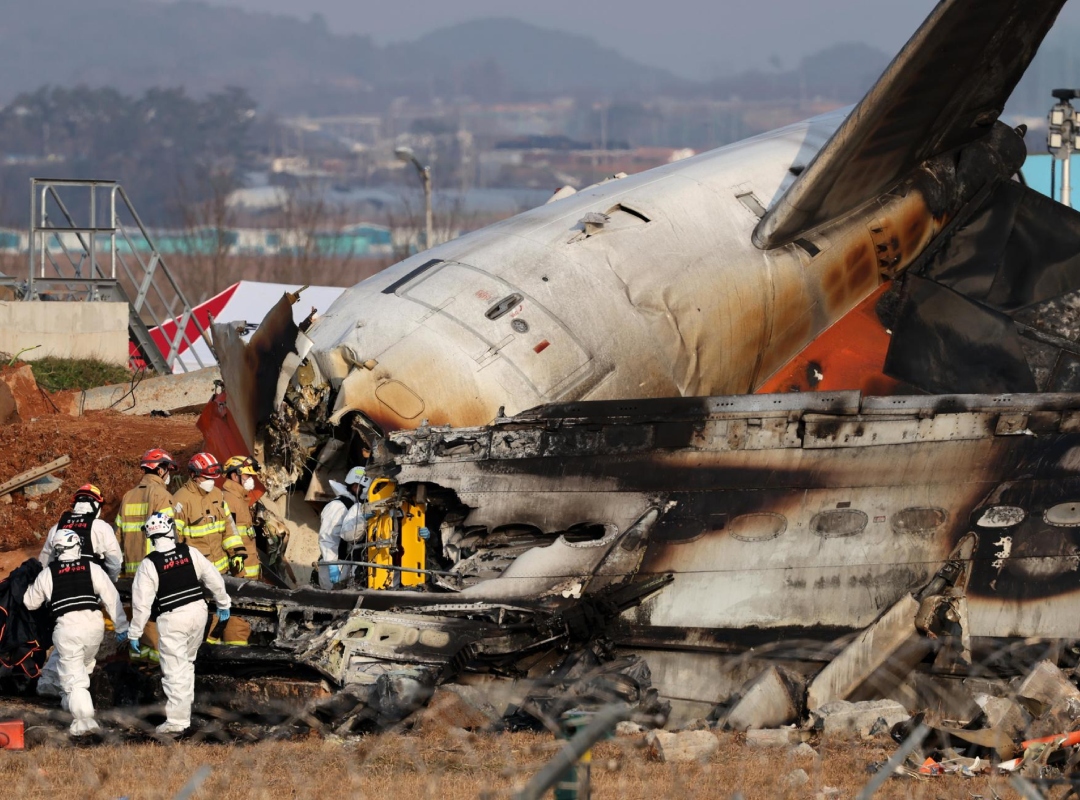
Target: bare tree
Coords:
[[313, 245], [450, 220], [208, 230]]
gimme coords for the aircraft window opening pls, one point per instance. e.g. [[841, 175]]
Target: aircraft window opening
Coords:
[[839, 523], [919, 520], [504, 306], [758, 527], [1001, 517], [1063, 515]]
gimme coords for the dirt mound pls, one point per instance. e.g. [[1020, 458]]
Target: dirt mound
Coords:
[[105, 449], [20, 397]]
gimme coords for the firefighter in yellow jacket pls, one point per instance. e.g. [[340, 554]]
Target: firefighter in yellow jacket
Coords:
[[202, 513], [240, 472], [204, 521], [149, 497]]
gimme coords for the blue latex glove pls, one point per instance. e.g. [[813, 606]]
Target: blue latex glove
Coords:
[[425, 534], [121, 637], [133, 646], [334, 571], [222, 614]]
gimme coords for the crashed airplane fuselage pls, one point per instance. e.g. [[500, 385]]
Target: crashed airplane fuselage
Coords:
[[696, 523]]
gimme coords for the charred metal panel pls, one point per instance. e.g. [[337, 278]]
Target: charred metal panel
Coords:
[[945, 342], [760, 537], [824, 432], [923, 406], [1017, 249], [646, 410], [251, 370], [990, 304]]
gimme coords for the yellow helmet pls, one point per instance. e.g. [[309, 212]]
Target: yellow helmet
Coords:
[[245, 465]]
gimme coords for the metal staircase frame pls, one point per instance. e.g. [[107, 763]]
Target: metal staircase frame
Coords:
[[72, 261]]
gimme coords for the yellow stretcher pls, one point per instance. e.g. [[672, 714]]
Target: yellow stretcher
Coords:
[[393, 538]]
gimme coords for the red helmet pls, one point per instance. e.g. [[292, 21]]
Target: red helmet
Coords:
[[89, 492], [204, 465], [156, 457]]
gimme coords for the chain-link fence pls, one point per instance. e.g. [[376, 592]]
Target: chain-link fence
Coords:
[[998, 728]]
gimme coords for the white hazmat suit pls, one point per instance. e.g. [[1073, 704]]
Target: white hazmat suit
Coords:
[[342, 519], [76, 638], [105, 545], [102, 537], [180, 631]]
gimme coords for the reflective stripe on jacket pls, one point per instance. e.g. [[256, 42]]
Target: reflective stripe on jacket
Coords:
[[205, 521], [149, 497]]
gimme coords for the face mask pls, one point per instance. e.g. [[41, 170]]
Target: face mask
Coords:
[[206, 485], [167, 478], [248, 483], [83, 507]]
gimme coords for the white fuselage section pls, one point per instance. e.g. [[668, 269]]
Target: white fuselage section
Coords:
[[668, 297]]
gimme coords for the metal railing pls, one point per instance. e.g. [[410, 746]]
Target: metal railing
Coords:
[[77, 258]]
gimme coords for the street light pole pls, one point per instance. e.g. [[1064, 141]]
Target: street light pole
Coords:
[[429, 223], [407, 155], [1063, 138]]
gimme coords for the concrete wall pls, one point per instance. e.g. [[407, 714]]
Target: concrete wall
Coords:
[[185, 392], [67, 330]]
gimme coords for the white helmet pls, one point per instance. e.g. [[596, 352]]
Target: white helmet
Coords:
[[356, 475], [67, 545], [159, 526]]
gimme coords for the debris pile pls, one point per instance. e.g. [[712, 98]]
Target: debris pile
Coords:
[[1029, 725]]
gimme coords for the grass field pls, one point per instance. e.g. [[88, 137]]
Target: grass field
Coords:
[[55, 374], [450, 764]]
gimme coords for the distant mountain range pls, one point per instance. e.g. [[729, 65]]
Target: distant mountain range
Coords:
[[290, 65]]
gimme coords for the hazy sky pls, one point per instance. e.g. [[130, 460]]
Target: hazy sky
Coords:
[[695, 38]]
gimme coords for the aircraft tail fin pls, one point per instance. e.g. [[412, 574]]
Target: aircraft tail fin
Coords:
[[945, 88]]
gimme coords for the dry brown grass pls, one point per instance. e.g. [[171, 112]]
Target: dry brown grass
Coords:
[[449, 765]]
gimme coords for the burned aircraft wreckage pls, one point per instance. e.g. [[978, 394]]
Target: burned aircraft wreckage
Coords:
[[758, 401]]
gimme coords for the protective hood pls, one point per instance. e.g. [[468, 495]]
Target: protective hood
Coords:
[[340, 489]]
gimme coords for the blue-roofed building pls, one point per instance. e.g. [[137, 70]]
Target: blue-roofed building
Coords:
[[1036, 173]]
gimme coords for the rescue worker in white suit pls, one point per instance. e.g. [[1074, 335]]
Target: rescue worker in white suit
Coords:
[[98, 541], [75, 588], [97, 536], [168, 588], [342, 520]]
